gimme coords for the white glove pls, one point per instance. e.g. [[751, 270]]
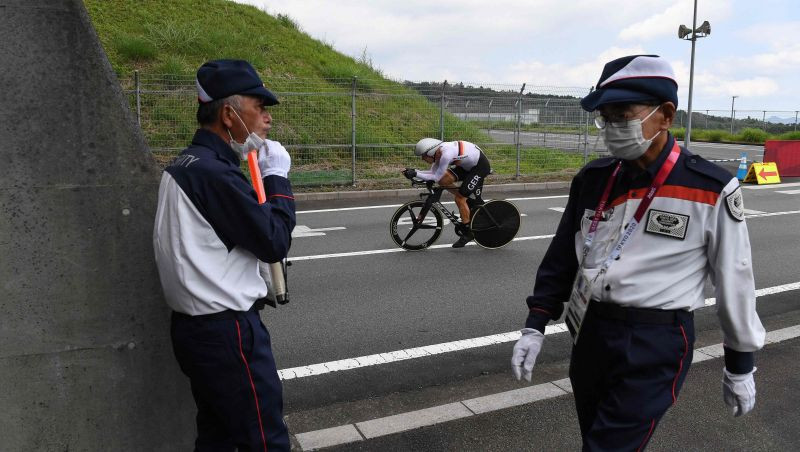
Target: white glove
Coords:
[[273, 160], [739, 391], [525, 352]]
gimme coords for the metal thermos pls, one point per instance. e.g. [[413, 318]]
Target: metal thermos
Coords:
[[278, 275]]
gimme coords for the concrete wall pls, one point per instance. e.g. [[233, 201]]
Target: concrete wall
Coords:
[[85, 357]]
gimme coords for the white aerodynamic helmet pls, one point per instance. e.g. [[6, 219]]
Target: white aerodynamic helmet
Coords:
[[427, 146]]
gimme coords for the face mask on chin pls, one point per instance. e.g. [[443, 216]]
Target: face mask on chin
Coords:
[[625, 140], [252, 143]]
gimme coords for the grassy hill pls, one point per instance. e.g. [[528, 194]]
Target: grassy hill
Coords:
[[166, 41], [177, 36]]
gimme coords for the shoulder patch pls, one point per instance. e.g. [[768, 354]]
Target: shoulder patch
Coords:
[[735, 204]]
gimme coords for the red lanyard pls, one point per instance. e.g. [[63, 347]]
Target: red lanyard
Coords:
[[658, 181]]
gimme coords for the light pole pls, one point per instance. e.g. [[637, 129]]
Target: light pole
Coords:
[[733, 99], [695, 32]]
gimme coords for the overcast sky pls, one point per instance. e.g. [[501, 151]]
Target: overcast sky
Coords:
[[753, 51]]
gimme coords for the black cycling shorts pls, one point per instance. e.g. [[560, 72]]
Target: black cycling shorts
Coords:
[[472, 180]]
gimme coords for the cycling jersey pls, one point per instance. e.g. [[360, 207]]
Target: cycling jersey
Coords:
[[460, 153]]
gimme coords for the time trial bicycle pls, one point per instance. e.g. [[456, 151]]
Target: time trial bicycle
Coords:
[[417, 224]]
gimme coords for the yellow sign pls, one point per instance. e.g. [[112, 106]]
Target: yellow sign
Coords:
[[763, 173]]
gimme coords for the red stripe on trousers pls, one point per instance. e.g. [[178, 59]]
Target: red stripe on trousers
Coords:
[[680, 364], [252, 385], [650, 432]]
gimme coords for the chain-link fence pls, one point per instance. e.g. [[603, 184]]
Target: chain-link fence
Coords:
[[735, 121], [362, 131]]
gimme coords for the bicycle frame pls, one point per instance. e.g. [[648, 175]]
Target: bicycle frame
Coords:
[[432, 199]]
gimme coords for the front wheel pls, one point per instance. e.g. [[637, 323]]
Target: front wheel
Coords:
[[410, 234], [495, 223]]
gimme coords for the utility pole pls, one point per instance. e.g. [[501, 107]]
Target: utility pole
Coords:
[[683, 32], [733, 99]]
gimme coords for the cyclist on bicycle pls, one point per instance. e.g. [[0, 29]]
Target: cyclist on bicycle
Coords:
[[454, 161]]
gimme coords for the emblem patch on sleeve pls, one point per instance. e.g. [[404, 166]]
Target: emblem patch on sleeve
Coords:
[[736, 204], [667, 223]]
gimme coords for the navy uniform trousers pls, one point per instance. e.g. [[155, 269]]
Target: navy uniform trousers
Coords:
[[228, 359], [626, 370]]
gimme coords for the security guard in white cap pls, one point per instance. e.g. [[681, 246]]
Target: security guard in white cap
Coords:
[[641, 232]]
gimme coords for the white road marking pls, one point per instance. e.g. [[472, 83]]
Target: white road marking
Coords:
[[788, 192], [518, 239], [773, 214], [538, 197], [304, 231], [402, 422], [398, 250], [771, 186], [752, 212], [342, 209], [386, 206], [558, 209], [455, 346]]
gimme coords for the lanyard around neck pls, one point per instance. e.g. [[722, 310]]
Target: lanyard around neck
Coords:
[[658, 181]]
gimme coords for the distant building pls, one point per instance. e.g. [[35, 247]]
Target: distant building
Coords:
[[529, 116]]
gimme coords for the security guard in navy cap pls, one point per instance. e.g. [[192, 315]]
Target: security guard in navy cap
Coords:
[[210, 233], [639, 235]]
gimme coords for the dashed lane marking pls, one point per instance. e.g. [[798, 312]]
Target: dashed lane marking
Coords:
[[374, 428], [455, 346]]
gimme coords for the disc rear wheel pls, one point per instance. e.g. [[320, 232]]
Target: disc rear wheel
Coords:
[[495, 223]]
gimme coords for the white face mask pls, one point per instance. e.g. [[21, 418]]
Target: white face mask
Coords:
[[625, 140], [252, 143]]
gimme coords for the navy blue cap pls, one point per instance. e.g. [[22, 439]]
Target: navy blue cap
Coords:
[[634, 79], [219, 79]]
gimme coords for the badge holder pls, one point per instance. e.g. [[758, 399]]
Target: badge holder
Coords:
[[578, 304]]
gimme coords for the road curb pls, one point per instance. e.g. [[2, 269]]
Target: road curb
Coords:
[[405, 192]]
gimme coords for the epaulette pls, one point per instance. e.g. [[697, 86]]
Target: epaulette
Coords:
[[597, 163], [700, 165]]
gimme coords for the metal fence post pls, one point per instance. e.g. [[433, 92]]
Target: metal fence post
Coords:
[[519, 128], [489, 115], [587, 123], [764, 119], [138, 98], [441, 113], [353, 129], [795, 120]]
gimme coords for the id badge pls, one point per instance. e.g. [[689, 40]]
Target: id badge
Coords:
[[578, 304]]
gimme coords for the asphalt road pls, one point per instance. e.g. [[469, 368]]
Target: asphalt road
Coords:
[[595, 144], [353, 296]]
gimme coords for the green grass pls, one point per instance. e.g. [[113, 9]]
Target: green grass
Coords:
[[171, 39], [145, 34], [748, 135]]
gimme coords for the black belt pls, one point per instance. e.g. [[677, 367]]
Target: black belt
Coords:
[[227, 314], [613, 311]]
